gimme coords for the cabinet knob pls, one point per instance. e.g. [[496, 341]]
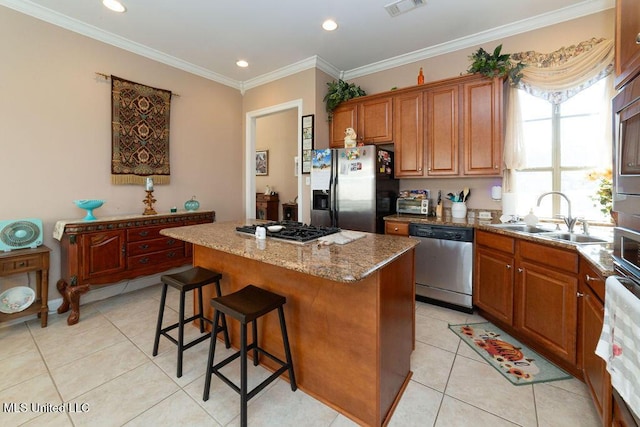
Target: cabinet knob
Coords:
[[588, 278], [508, 266], [395, 228], [579, 294], [520, 269], [638, 38], [495, 166]]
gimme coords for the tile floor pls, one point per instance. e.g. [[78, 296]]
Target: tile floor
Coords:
[[103, 368]]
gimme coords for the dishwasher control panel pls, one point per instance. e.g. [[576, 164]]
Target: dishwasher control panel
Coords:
[[442, 232]]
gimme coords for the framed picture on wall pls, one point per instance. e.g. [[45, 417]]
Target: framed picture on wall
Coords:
[[307, 142], [262, 162]]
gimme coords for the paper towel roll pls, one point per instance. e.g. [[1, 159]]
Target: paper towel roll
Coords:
[[509, 204]]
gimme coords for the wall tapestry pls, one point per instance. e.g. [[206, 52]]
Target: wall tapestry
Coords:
[[139, 133]]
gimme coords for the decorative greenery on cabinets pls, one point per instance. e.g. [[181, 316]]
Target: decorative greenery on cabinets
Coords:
[[340, 91], [495, 65]]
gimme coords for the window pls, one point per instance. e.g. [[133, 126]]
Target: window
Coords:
[[564, 145]]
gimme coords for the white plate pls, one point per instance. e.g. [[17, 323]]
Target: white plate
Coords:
[[274, 228], [16, 299]]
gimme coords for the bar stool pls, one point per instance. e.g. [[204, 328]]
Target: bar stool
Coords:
[[247, 305], [194, 278]]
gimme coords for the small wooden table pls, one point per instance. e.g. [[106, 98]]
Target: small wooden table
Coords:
[[25, 261]]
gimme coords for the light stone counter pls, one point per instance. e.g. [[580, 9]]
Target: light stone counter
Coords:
[[342, 263]]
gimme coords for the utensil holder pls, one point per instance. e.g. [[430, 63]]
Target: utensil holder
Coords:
[[458, 210]]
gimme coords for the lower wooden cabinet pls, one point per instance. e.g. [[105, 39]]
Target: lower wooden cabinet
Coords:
[[397, 228], [494, 275], [594, 369], [531, 290], [267, 206]]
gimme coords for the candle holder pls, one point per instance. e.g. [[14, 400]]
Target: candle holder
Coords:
[[149, 201]]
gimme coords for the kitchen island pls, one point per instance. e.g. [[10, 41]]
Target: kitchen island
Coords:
[[350, 310]]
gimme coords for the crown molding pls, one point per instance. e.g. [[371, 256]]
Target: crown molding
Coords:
[[58, 19], [540, 21], [587, 7]]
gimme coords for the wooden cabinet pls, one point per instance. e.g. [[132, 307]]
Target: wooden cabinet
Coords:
[[591, 317], [371, 118], [494, 275], [529, 289], [267, 206], [108, 251], [482, 104], [627, 41], [290, 211], [442, 136], [396, 228], [546, 298], [25, 261], [408, 134]]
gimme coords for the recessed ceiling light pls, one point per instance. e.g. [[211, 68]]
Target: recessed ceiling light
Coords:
[[114, 5], [329, 25], [242, 63]]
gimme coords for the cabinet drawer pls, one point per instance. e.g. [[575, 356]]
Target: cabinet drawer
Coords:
[[396, 228], [144, 233], [153, 245], [155, 258], [20, 264], [551, 257], [496, 241]]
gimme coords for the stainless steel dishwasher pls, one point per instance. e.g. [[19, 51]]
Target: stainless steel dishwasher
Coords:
[[444, 265]]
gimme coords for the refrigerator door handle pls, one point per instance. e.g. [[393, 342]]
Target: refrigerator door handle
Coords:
[[333, 185]]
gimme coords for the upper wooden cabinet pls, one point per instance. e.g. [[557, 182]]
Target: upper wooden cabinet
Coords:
[[371, 117], [482, 104], [627, 41], [408, 134], [442, 125]]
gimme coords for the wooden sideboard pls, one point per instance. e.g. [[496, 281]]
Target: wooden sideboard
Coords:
[[109, 250], [25, 261]]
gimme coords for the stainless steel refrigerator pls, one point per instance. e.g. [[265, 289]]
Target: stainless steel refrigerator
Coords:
[[353, 188]]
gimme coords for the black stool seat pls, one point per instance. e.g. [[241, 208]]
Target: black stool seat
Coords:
[[247, 305], [185, 281]]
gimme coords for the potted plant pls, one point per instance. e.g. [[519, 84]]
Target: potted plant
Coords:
[[495, 64], [340, 91]]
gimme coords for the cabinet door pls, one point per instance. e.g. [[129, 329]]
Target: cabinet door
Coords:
[[482, 127], [441, 128], [593, 367], [408, 135], [344, 116], [627, 41], [493, 288], [375, 121], [103, 253], [546, 308]]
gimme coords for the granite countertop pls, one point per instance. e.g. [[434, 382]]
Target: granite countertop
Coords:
[[342, 263], [598, 254]]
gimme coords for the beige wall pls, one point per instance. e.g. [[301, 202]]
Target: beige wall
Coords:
[[543, 40], [55, 136], [278, 133]]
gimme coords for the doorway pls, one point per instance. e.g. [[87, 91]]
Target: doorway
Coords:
[[250, 150]]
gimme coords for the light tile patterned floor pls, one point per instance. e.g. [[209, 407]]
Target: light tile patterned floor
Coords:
[[105, 363]]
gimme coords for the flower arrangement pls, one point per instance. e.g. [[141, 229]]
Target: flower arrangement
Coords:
[[605, 187]]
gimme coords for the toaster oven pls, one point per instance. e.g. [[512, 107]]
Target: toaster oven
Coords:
[[412, 205]]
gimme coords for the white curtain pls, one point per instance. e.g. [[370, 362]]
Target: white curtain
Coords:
[[556, 77]]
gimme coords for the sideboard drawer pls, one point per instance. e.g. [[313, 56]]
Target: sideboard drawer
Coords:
[[153, 245], [155, 258], [145, 233]]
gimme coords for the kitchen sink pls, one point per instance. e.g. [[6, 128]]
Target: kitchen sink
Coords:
[[523, 228], [574, 238]]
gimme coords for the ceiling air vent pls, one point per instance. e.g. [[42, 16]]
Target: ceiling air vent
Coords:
[[402, 6]]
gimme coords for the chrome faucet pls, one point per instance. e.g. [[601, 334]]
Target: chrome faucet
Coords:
[[568, 220]]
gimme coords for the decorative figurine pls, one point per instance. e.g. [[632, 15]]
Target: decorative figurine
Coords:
[[420, 77], [350, 138]]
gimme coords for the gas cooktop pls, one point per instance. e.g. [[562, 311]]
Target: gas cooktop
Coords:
[[292, 231]]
